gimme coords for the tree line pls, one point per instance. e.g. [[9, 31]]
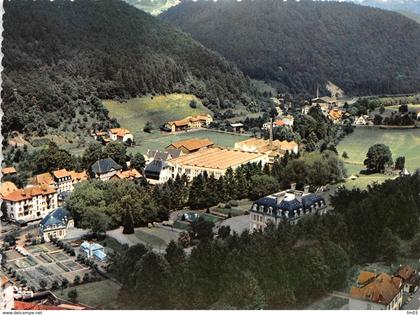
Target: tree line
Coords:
[[284, 267]]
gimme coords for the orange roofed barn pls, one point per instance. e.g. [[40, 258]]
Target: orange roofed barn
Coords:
[[191, 145], [376, 292]]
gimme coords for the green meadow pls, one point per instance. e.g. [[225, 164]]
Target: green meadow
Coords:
[[134, 114], [401, 142]]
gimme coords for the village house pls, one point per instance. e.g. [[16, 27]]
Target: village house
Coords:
[[289, 205], [376, 292], [409, 277], [120, 134], [6, 294], [214, 161], [237, 127], [31, 203], [158, 171], [130, 174], [190, 122], [335, 115], [362, 120], [104, 169], [63, 181], [161, 155], [190, 145], [55, 224], [9, 170]]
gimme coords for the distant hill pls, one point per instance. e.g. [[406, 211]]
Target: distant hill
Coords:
[[298, 45], [411, 6], [62, 57], [413, 16], [153, 7]]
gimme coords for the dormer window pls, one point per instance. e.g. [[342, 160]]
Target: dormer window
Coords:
[[262, 208], [255, 207], [270, 210]]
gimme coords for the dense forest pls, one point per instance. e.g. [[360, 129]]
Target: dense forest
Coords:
[[298, 45], [62, 57], [285, 267]]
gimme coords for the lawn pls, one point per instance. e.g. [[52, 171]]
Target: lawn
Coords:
[[112, 243], [154, 237], [401, 142], [134, 114], [101, 295]]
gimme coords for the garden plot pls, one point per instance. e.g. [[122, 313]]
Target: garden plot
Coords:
[[60, 256], [72, 265], [24, 263]]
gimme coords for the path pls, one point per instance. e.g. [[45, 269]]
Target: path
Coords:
[[119, 236]]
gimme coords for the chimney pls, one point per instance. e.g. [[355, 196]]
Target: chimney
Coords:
[[306, 189], [293, 186]]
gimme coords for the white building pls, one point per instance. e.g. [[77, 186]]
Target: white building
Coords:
[[7, 301], [120, 134], [30, 203], [55, 224], [63, 181]]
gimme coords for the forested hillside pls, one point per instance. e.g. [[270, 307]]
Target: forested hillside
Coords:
[[62, 57], [298, 45]]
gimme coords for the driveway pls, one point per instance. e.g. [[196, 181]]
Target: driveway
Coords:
[[414, 303], [237, 224]]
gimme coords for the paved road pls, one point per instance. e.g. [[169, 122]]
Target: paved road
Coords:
[[237, 224], [414, 303]]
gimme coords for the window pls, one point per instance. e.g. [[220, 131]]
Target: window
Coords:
[[270, 210], [262, 208]]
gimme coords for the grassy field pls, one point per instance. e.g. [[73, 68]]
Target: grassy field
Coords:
[[101, 295], [329, 303], [163, 140], [154, 237], [134, 114], [401, 142], [411, 107]]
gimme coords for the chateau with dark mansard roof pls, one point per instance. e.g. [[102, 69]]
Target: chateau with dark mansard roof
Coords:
[[289, 205]]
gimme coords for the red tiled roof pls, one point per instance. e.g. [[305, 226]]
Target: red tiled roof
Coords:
[[20, 305], [28, 193], [8, 170]]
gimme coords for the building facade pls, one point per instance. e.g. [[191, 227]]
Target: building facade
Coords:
[[55, 224], [6, 294], [104, 169], [31, 203], [286, 206], [120, 134]]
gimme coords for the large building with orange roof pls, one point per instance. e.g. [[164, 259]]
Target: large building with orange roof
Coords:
[[190, 122], [215, 161], [376, 292], [190, 145], [31, 203]]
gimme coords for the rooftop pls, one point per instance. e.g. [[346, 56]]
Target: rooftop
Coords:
[[8, 170], [128, 174], [120, 132], [216, 158], [7, 187], [61, 173], [57, 217], [78, 177], [29, 193], [105, 165], [44, 179], [380, 289], [191, 144]]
